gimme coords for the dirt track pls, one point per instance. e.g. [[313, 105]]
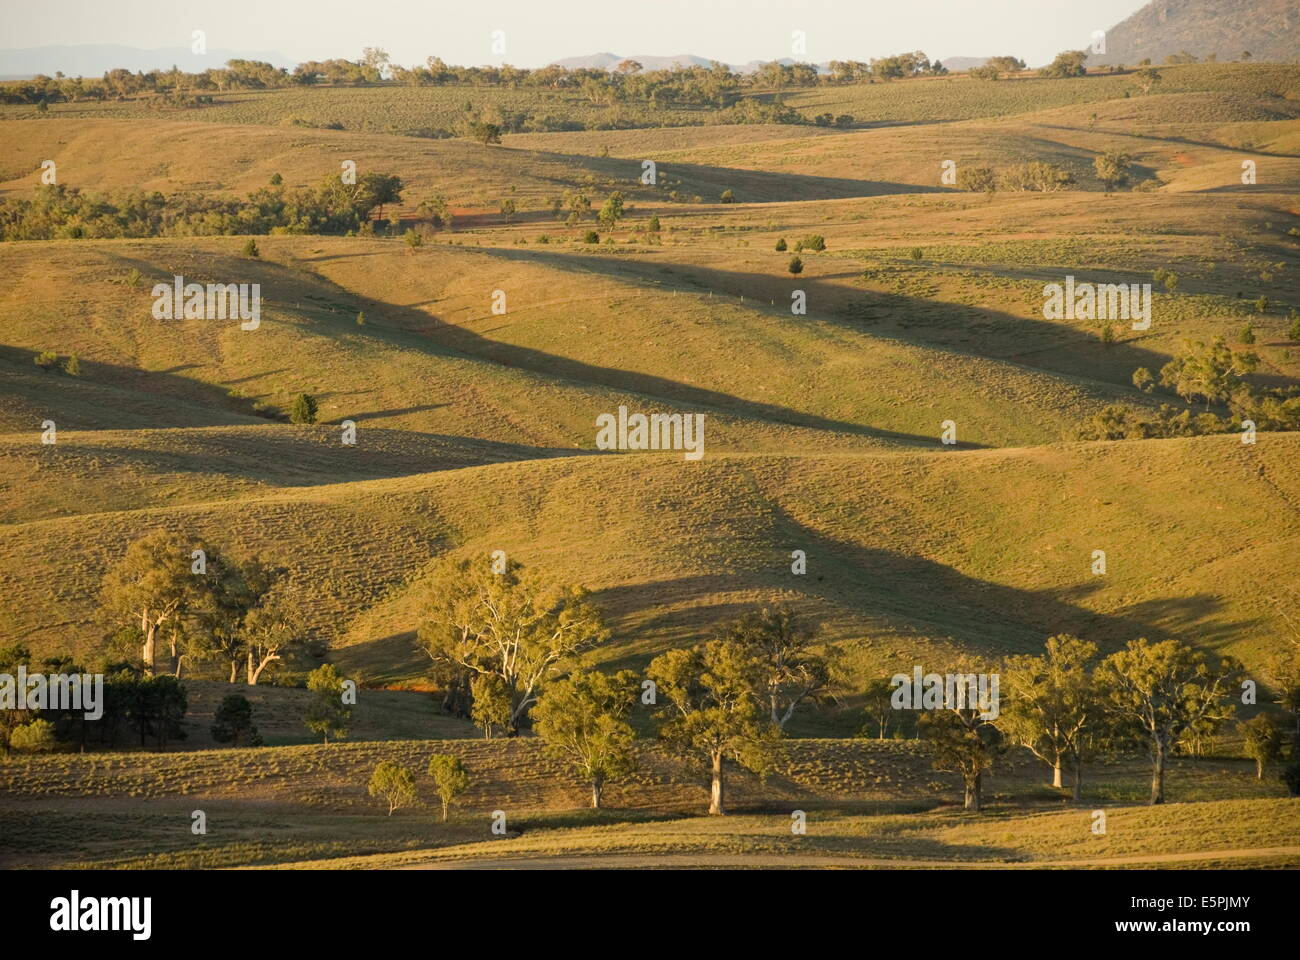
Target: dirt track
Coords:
[[638, 861]]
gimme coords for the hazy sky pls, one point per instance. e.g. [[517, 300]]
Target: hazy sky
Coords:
[[539, 31]]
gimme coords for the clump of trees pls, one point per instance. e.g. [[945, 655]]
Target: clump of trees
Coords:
[[997, 67], [149, 708], [60, 212], [48, 360], [1037, 175], [1068, 63], [1066, 709], [179, 590], [1211, 372], [1112, 168], [497, 637]]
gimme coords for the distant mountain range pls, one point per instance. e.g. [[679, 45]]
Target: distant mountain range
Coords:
[[1268, 29], [610, 61], [957, 64]]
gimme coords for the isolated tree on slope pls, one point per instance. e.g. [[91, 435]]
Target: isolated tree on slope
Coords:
[[1161, 690], [1051, 705], [233, 721], [711, 708], [450, 779], [582, 720], [511, 625], [327, 715], [394, 784], [792, 673]]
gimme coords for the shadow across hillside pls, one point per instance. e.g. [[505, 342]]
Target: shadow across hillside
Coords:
[[965, 327], [416, 329], [108, 396], [855, 591], [749, 186]]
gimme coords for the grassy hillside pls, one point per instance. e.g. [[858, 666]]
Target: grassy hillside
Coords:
[[437, 111], [476, 433], [912, 557], [433, 357]]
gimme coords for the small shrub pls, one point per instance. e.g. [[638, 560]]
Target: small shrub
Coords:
[[394, 783], [304, 409], [450, 778], [796, 265], [34, 737]]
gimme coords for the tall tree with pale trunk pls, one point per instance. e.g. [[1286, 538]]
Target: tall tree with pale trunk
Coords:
[[150, 588], [711, 697], [1160, 690], [508, 624], [583, 720], [1051, 706], [792, 673]]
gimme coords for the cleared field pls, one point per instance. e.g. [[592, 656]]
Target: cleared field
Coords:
[[867, 800]]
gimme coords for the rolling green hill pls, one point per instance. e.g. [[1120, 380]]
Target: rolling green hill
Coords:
[[913, 557], [476, 429]]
